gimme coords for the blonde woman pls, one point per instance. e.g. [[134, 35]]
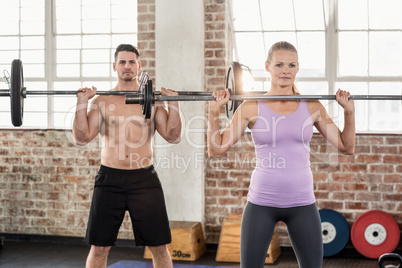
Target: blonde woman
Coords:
[[281, 187]]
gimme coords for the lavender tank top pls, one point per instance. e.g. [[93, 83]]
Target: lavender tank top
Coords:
[[282, 177]]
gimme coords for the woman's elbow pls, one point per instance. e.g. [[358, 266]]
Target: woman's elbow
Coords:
[[348, 151]]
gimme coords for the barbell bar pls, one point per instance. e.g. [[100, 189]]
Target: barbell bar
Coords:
[[17, 92], [146, 97], [234, 84]]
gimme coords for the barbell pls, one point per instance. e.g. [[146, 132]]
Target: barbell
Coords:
[[17, 92], [146, 97], [234, 84]]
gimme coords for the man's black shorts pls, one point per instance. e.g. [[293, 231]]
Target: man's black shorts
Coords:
[[140, 192]]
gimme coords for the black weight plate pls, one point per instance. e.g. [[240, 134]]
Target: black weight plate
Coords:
[[148, 100], [234, 83], [16, 97]]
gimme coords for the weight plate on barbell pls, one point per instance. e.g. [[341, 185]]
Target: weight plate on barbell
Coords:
[[335, 231], [16, 96], [234, 83], [148, 100], [375, 233]]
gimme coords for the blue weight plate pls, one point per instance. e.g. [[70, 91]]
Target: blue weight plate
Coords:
[[335, 231]]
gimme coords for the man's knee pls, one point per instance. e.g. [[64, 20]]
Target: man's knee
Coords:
[[159, 251], [99, 251]]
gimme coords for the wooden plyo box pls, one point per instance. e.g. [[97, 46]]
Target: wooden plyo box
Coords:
[[188, 242], [229, 242]]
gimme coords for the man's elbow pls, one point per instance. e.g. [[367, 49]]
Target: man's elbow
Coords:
[[214, 153], [174, 140], [80, 140]]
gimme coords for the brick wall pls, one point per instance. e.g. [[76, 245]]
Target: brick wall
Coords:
[[146, 36], [217, 44], [368, 180], [46, 182]]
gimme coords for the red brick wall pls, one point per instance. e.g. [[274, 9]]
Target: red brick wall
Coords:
[[46, 183], [146, 36], [217, 44], [368, 180]]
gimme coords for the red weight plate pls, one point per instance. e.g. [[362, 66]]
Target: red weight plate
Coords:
[[375, 233]]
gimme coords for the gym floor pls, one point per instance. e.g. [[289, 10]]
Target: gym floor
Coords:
[[29, 254]]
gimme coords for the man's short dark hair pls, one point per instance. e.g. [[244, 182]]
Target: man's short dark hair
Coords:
[[126, 47]]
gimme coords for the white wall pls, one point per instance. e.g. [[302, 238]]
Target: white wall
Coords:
[[180, 66]]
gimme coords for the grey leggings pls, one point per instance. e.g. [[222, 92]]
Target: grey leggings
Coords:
[[304, 228]]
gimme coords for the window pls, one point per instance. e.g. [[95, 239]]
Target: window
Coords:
[[362, 55], [63, 45]]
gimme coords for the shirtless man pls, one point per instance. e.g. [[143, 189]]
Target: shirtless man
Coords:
[[126, 179]]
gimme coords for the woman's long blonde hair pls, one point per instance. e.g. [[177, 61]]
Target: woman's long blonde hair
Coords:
[[283, 45]]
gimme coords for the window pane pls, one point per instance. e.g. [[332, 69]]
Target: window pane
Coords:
[[68, 70], [64, 120], [9, 43], [33, 56], [68, 27], [34, 70], [5, 120], [9, 14], [125, 11], [35, 103], [385, 115], [385, 14], [68, 56], [311, 50], [65, 103], [283, 13], [95, 26], [11, 29], [5, 104], [33, 3], [94, 56], [353, 52], [35, 120], [251, 50], [348, 9], [96, 41], [96, 13], [309, 15], [121, 26], [33, 42], [32, 14], [33, 27], [68, 13], [385, 53], [244, 15], [95, 70], [72, 41], [7, 57]]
